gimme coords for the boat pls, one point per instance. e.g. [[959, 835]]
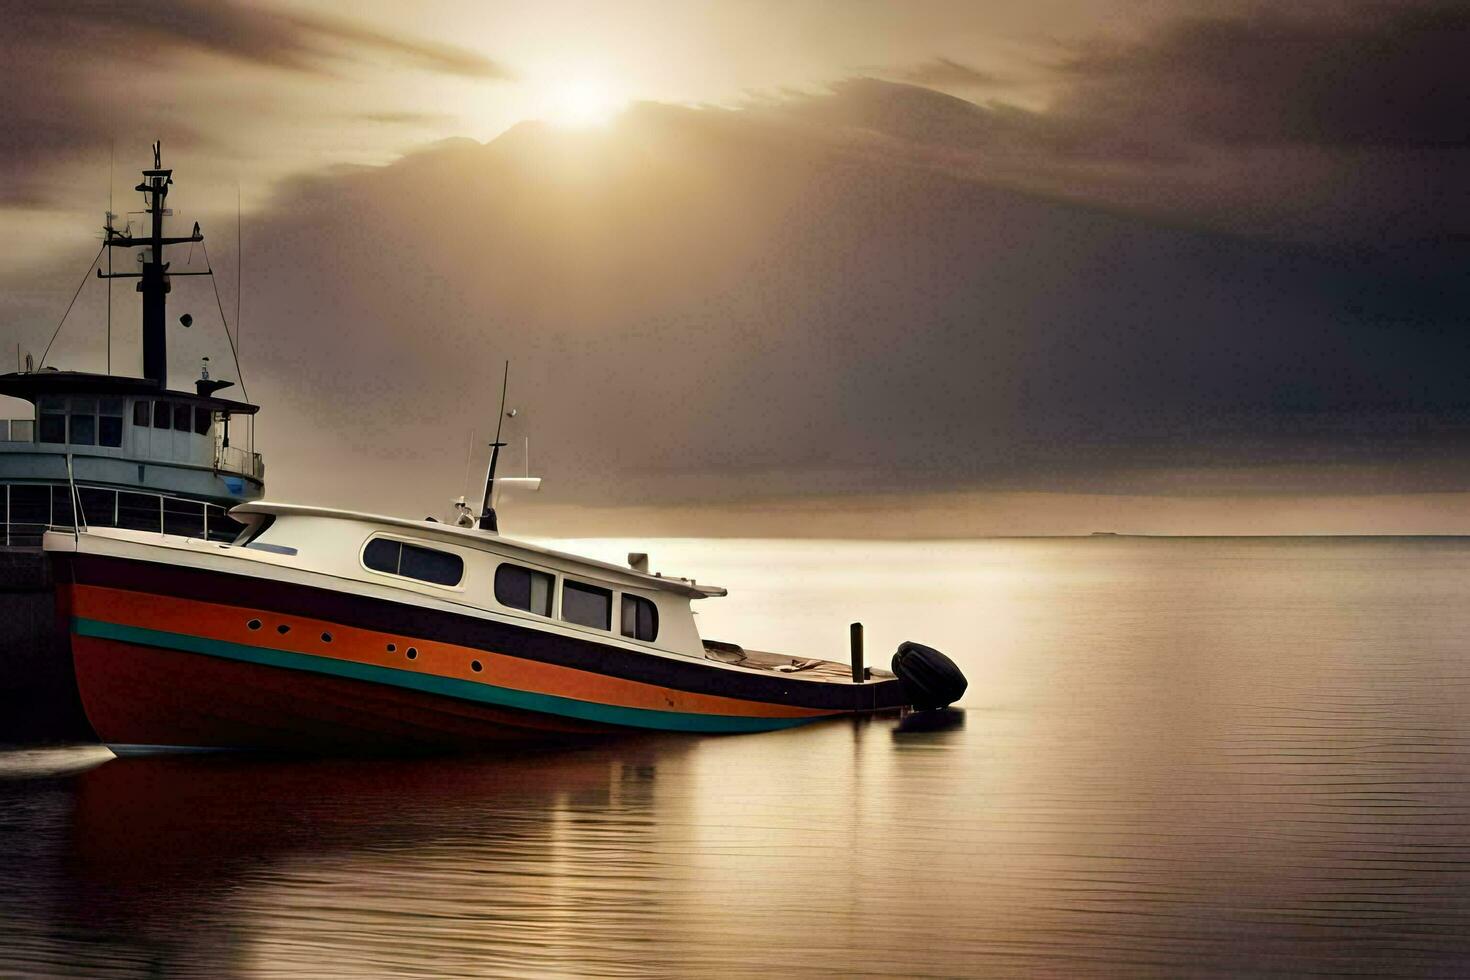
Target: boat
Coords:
[[327, 630], [110, 450]]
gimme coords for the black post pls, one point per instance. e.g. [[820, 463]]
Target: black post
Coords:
[[154, 284], [858, 673]]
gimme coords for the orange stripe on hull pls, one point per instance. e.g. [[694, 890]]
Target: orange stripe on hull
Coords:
[[143, 695], [231, 624]]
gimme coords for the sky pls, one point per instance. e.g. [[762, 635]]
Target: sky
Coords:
[[790, 268]]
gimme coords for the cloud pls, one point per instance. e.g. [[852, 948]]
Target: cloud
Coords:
[[719, 305], [410, 118], [1345, 126], [162, 28], [947, 73], [75, 75], [1386, 77]]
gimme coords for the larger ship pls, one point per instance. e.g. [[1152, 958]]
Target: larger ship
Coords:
[[109, 450]]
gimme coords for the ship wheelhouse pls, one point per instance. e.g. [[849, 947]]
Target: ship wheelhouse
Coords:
[[106, 450], [134, 454]]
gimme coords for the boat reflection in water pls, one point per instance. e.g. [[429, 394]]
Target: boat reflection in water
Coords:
[[208, 864]]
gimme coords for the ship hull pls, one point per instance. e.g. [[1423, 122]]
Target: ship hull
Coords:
[[168, 655], [38, 691]]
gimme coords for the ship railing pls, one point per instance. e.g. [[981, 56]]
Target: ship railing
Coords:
[[28, 510], [232, 459], [17, 430]]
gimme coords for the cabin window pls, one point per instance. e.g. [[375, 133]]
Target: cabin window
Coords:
[[522, 588], [140, 413], [109, 422], [163, 414], [639, 618], [83, 431], [183, 417], [586, 605], [411, 561], [51, 420], [202, 419]]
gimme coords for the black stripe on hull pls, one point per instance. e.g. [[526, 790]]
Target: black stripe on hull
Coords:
[[286, 598]]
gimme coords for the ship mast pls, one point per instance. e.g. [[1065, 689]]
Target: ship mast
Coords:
[[154, 277]]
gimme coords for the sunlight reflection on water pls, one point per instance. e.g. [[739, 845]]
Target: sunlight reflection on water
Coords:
[[1175, 758]]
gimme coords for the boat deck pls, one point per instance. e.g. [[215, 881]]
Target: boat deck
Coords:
[[827, 671]]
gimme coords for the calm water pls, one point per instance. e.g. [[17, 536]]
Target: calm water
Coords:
[[1176, 758]]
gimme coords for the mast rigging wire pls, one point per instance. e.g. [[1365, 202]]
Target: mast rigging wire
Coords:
[[87, 275], [111, 156], [224, 320]]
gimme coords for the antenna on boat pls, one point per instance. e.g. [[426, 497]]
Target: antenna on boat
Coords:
[[487, 509], [153, 277]]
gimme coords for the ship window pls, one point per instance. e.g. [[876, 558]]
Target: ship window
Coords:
[[381, 555], [522, 588], [202, 419], [140, 413], [163, 413], [411, 561], [586, 605], [83, 430], [52, 427], [428, 565], [183, 417], [109, 422], [640, 618]]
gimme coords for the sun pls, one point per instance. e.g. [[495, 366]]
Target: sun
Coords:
[[582, 102]]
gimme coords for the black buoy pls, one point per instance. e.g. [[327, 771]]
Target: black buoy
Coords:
[[929, 678]]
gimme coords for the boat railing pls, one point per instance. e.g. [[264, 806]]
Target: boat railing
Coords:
[[17, 430], [28, 510], [232, 459]]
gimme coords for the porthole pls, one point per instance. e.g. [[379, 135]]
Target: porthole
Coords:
[[326, 637], [412, 653], [392, 648], [283, 629], [254, 623], [475, 666]]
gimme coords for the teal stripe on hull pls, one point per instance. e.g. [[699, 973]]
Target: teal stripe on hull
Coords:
[[608, 714]]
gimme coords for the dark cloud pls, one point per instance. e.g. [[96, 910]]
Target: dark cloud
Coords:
[[73, 75], [1382, 77], [948, 73], [1348, 126], [719, 305], [162, 28]]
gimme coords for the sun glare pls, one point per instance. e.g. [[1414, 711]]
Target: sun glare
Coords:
[[582, 102]]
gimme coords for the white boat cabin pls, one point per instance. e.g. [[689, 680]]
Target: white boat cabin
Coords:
[[444, 564]]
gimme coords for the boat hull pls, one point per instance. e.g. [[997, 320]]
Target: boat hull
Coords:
[[168, 655]]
